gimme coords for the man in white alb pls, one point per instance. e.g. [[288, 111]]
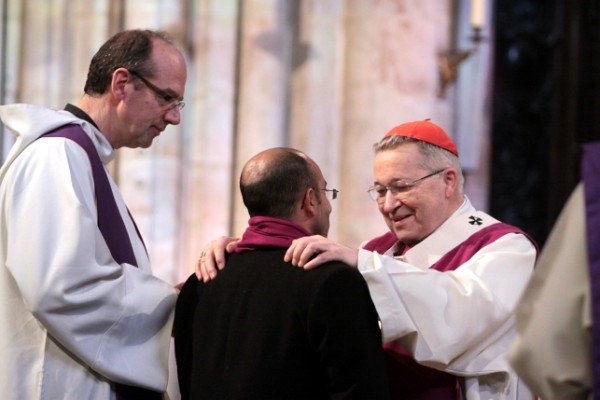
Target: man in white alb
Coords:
[[81, 315]]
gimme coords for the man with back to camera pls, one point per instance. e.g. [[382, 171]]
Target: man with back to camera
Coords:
[[81, 315], [445, 280], [267, 330]]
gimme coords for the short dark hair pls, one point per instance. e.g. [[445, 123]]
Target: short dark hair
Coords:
[[128, 49], [272, 190]]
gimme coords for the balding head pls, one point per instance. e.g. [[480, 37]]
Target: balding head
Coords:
[[274, 181]]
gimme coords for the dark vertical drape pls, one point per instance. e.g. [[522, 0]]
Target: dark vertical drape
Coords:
[[545, 104]]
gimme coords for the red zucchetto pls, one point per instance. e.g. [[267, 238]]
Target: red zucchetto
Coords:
[[425, 131]]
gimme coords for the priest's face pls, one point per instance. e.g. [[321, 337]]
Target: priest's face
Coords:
[[415, 212], [154, 101]]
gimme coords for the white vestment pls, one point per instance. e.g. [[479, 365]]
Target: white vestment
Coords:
[[71, 318], [457, 321], [553, 348]]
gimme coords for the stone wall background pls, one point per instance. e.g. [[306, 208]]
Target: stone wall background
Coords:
[[328, 77]]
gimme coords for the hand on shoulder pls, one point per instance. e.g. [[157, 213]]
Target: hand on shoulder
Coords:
[[212, 257], [311, 251]]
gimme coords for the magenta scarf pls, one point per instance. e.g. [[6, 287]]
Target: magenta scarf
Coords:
[[266, 232]]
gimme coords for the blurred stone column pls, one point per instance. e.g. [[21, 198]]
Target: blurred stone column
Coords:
[[263, 91], [57, 40], [209, 128], [317, 88], [11, 15], [472, 104], [390, 77]]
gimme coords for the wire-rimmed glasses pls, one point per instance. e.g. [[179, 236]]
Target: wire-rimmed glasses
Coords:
[[331, 194], [378, 192], [168, 98]]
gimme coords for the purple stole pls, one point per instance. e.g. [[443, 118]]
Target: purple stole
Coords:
[[408, 379], [113, 230], [590, 171]]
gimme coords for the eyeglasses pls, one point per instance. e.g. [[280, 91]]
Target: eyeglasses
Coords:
[[378, 192], [169, 99], [331, 194]]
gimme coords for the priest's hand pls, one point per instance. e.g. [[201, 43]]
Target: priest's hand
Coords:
[[311, 251], [212, 257]]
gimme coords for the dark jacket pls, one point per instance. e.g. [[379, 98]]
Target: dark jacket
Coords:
[[264, 329]]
